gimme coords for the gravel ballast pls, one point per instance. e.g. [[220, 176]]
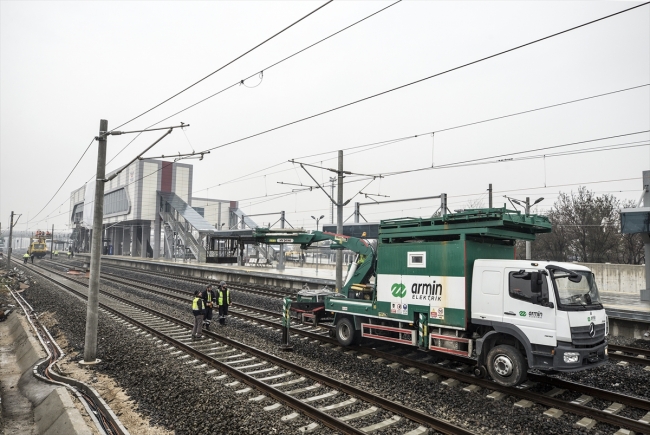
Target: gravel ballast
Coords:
[[470, 409]]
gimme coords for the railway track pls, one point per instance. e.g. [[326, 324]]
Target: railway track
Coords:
[[271, 291], [436, 371], [269, 375]]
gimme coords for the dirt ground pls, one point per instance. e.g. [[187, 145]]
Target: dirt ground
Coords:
[[112, 394]]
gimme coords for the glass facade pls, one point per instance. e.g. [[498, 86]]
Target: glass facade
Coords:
[[116, 202]]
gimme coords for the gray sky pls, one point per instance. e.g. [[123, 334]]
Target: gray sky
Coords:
[[66, 65]]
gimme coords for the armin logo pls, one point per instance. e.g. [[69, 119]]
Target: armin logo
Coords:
[[427, 291], [522, 313], [398, 290]]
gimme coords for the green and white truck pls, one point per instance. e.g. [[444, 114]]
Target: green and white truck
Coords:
[[452, 284]]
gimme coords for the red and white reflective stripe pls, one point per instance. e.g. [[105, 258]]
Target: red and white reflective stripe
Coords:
[[298, 310], [452, 351], [370, 326], [448, 338]]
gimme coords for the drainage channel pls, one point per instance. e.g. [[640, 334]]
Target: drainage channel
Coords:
[[97, 410]]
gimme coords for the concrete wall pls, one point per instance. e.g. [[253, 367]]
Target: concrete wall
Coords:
[[618, 278], [48, 407]]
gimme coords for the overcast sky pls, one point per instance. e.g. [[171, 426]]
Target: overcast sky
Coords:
[[66, 65]]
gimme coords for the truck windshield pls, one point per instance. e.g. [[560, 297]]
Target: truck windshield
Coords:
[[572, 293]]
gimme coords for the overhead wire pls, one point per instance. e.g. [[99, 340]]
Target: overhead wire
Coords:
[[428, 77], [66, 178], [463, 163], [259, 71], [482, 160], [379, 144], [209, 75], [365, 98], [225, 65]]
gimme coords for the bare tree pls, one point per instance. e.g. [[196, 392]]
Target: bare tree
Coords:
[[556, 244]]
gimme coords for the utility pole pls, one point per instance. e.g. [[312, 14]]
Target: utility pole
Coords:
[[490, 196], [528, 243], [90, 345], [52, 244], [339, 224], [332, 180], [10, 247], [281, 260]]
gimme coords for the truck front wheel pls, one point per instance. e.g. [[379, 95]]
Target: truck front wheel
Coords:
[[345, 332], [506, 365]]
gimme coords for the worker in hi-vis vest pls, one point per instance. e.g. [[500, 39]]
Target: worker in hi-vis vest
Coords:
[[198, 309]]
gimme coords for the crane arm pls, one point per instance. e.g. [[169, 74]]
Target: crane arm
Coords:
[[359, 272]]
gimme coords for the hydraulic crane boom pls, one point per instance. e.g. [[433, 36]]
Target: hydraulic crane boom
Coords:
[[359, 272]]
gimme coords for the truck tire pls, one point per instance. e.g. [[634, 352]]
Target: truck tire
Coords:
[[506, 365], [345, 332]]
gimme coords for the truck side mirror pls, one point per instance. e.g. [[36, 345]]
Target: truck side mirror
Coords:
[[536, 283], [540, 293]]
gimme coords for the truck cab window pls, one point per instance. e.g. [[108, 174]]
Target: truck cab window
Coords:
[[520, 288]]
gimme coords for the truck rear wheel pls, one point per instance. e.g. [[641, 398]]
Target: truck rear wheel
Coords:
[[506, 365], [345, 332]]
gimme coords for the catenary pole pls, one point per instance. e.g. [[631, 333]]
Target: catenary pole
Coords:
[[10, 247], [52, 244], [332, 180], [281, 259], [90, 346], [490, 196], [339, 223], [528, 243]]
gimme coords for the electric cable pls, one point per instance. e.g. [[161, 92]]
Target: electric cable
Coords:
[[66, 178], [482, 160], [259, 72], [224, 66], [397, 140], [428, 77], [463, 163]]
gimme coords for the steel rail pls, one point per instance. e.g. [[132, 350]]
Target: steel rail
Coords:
[[631, 350], [310, 411], [626, 353], [411, 414], [630, 358], [236, 312], [596, 392]]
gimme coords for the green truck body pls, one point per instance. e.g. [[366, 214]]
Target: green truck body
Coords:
[[419, 286]]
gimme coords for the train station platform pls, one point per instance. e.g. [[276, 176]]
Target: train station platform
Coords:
[[292, 276]]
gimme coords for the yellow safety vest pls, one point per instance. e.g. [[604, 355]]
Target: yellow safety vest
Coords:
[[195, 304], [26, 255], [227, 297]]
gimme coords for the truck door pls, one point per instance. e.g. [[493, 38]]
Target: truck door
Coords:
[[534, 320]]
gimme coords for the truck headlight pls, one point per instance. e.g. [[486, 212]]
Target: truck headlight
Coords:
[[571, 357], [606, 352]]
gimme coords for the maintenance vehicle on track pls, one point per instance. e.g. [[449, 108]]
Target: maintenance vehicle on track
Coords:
[[452, 284], [38, 244]]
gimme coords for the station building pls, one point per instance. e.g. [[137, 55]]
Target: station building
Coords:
[[149, 211]]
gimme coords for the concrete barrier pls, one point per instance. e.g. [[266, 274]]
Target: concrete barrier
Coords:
[[53, 410], [618, 278], [57, 415]]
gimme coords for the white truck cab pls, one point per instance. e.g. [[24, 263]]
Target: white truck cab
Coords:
[[547, 312]]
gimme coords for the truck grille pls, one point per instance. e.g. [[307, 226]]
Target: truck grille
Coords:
[[580, 335]]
